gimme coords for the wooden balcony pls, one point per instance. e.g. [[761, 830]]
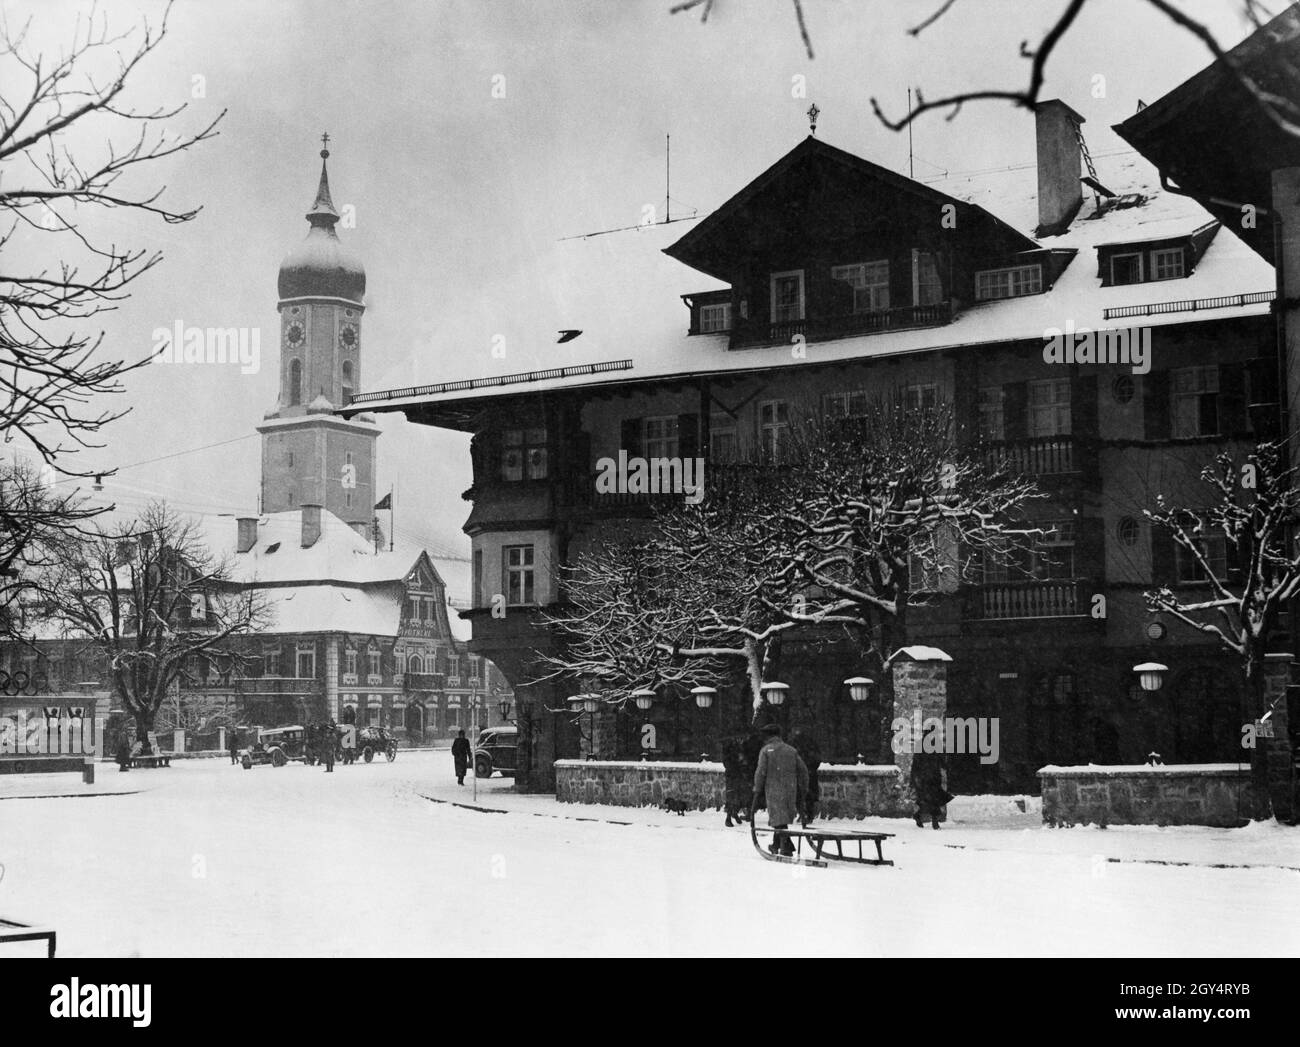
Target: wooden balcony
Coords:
[[1008, 601], [1038, 456], [746, 333]]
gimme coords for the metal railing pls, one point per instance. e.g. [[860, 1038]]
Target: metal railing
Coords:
[[490, 383], [1188, 305]]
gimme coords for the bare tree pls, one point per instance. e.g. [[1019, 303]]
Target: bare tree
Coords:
[[51, 373], [36, 519], [1250, 510], [1281, 110], [150, 599], [826, 534]]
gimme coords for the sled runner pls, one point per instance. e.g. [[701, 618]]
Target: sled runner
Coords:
[[817, 841]]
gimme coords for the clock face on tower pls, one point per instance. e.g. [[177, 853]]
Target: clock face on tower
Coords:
[[348, 336], [293, 334]]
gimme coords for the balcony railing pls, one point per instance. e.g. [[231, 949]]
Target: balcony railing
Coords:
[[259, 685], [1001, 601], [1039, 456], [422, 681], [750, 332]]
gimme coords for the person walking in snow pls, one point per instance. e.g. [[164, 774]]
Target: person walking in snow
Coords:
[[460, 754], [327, 740], [736, 779], [234, 746], [927, 776], [782, 777], [806, 746]]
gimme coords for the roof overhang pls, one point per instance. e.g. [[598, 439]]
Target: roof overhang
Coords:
[[1212, 138]]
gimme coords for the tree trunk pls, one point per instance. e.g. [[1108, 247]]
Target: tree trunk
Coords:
[[144, 722]]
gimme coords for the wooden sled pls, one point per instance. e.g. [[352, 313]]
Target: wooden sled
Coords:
[[817, 840]]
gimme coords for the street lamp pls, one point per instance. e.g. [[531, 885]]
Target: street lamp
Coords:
[[644, 698], [504, 708], [859, 691], [704, 696], [1151, 675], [774, 692]]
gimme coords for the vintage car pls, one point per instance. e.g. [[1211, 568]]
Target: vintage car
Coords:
[[276, 746], [367, 742], [495, 751]]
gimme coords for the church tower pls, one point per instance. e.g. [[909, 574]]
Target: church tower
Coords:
[[310, 456]]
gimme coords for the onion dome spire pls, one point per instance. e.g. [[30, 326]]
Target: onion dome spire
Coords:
[[321, 267]]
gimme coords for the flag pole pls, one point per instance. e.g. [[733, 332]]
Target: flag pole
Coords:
[[392, 526]]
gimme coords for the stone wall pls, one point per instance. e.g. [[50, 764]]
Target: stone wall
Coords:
[[1183, 794], [846, 792]]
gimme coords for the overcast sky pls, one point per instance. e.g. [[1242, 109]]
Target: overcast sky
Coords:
[[457, 192]]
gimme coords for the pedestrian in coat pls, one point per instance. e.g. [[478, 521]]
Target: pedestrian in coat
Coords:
[[737, 780], [783, 778], [234, 747], [927, 775], [124, 755], [806, 746], [326, 742], [460, 754]]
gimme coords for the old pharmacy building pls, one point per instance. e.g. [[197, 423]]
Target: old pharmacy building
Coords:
[[686, 349]]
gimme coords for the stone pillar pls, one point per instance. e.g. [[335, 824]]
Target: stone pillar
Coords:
[[1271, 764], [920, 686], [221, 740]]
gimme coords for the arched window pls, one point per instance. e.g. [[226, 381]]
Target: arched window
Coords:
[[295, 382], [347, 380], [414, 664]]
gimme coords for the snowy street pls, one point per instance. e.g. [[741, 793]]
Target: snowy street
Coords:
[[207, 859]]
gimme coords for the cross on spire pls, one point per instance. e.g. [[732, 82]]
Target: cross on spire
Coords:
[[813, 113], [325, 141]]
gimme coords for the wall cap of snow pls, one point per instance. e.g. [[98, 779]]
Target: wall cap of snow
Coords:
[[922, 653]]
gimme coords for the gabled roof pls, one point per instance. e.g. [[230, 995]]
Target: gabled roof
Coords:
[[789, 177], [623, 292]]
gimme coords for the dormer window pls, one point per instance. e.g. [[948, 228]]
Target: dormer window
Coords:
[[787, 297], [1013, 282], [1124, 264], [1168, 264], [870, 283], [715, 318], [1126, 269]]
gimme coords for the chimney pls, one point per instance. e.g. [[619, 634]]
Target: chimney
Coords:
[[1060, 193], [247, 537], [310, 524]]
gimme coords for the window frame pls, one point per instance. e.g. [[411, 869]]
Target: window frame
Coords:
[[803, 296], [531, 440], [844, 273], [1011, 273], [1179, 253], [918, 283], [1141, 269], [1176, 397], [778, 429], [705, 327], [527, 573], [1062, 409]]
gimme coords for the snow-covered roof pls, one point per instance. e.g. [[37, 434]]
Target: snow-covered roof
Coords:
[[332, 608], [624, 294]]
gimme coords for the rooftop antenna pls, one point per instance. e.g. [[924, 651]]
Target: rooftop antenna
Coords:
[[668, 218]]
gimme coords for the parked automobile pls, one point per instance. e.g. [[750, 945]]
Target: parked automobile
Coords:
[[370, 742], [496, 750], [276, 746]]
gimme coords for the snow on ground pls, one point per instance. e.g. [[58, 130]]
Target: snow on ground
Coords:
[[210, 859]]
